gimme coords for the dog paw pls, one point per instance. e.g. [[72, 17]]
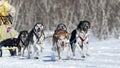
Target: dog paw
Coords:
[[19, 54], [42, 47], [36, 58], [83, 56], [68, 57], [74, 57], [87, 55], [28, 57], [54, 49], [59, 58]]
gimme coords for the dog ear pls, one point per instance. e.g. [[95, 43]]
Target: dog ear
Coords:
[[67, 36], [89, 25], [79, 27]]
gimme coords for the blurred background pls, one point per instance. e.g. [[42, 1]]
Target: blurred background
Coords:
[[104, 15]]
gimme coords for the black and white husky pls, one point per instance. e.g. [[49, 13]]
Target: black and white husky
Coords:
[[22, 41], [79, 38], [14, 42], [61, 26], [36, 39]]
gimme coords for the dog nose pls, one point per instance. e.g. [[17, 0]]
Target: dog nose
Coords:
[[86, 27], [62, 27], [23, 36], [39, 29]]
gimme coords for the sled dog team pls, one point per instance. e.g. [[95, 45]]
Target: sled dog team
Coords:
[[33, 41]]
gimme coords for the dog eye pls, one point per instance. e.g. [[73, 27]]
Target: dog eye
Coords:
[[41, 26], [36, 27]]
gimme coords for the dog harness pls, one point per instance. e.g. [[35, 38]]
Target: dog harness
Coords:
[[22, 42], [83, 39], [83, 36], [37, 36]]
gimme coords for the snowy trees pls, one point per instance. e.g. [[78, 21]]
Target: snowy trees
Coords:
[[104, 15]]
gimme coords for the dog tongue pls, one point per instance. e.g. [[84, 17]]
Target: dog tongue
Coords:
[[63, 45], [86, 30]]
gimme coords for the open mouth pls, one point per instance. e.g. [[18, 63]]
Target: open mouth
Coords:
[[63, 44], [86, 28], [24, 36]]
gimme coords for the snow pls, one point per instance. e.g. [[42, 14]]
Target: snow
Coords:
[[103, 54]]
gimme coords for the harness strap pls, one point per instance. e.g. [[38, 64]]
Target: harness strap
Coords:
[[22, 42], [74, 40], [37, 36], [83, 39]]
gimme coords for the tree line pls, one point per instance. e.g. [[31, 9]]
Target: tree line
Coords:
[[104, 15]]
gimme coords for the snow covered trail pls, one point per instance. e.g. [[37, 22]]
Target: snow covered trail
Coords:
[[103, 54]]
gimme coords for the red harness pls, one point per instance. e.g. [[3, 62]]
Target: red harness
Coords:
[[83, 39]]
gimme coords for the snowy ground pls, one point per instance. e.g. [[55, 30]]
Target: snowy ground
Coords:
[[103, 54]]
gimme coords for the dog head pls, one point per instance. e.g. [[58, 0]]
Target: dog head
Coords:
[[61, 35], [38, 27], [84, 26], [23, 35], [61, 26]]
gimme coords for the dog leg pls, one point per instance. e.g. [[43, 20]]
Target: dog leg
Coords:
[[0, 52], [68, 51], [53, 58], [73, 46], [22, 51], [54, 44], [80, 48], [38, 47], [12, 52], [42, 43], [86, 46], [83, 56], [19, 50], [37, 51], [28, 48], [58, 50], [41, 46], [54, 47], [36, 55]]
